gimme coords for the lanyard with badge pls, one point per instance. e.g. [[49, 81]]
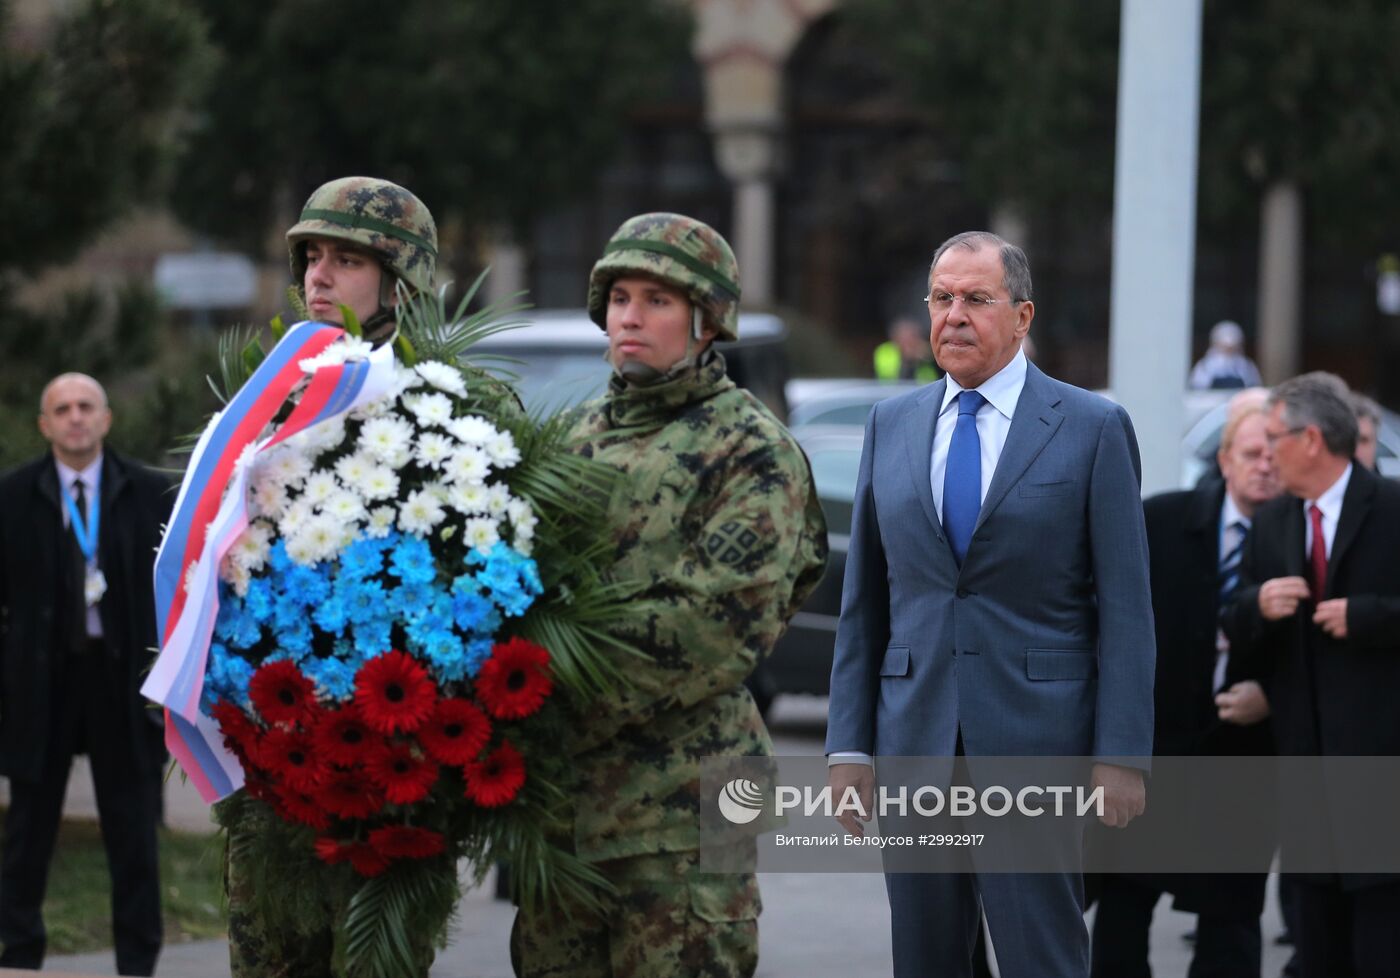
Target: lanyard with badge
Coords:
[[94, 582]]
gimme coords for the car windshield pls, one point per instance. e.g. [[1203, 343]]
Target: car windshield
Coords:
[[553, 380]]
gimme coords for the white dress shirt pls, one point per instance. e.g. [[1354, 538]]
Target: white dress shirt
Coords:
[[1002, 391], [91, 478], [1330, 502]]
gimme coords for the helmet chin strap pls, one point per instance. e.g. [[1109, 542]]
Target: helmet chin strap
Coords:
[[639, 374]]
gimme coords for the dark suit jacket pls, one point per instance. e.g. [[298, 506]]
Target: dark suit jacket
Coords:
[[1329, 696], [35, 608]]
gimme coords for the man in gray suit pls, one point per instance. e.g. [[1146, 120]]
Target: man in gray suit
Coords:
[[996, 603]]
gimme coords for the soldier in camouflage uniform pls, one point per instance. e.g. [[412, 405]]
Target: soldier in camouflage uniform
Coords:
[[356, 239], [719, 520]]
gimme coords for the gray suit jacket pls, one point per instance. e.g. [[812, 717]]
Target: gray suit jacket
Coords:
[[1042, 643]]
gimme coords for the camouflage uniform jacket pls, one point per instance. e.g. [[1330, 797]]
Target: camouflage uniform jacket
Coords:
[[718, 520]]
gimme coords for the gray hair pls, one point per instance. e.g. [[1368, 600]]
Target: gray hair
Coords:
[[1015, 269], [1321, 399], [1363, 407]]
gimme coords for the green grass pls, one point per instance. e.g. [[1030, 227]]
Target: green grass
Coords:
[[78, 909]]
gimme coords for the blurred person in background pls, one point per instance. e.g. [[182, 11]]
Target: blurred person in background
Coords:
[[1368, 423], [1225, 365], [906, 355], [1195, 541], [79, 529], [717, 522], [1316, 621]]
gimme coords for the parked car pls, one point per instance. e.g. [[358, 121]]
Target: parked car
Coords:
[[838, 401], [558, 357]]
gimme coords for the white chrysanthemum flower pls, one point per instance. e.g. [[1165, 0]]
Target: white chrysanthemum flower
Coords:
[[481, 533], [433, 409], [387, 437], [376, 408], [472, 430], [322, 536], [434, 449], [286, 466], [300, 550], [320, 487], [381, 521], [406, 378], [468, 498], [502, 450], [251, 548], [381, 482], [354, 469], [246, 458], [522, 519], [295, 518], [269, 499], [325, 436], [342, 350], [234, 574], [498, 498], [440, 491], [344, 506], [442, 376], [467, 465], [420, 512]]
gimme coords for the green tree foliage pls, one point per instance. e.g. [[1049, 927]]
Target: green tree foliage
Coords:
[[1025, 90], [92, 112], [91, 119], [489, 111], [1298, 91], [1290, 90]]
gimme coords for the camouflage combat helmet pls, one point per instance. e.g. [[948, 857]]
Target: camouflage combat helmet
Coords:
[[375, 214], [680, 251]]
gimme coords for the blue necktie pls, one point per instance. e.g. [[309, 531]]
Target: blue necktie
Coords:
[[962, 480], [1230, 563]]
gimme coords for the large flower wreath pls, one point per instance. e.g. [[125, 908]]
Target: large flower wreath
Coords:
[[407, 573]]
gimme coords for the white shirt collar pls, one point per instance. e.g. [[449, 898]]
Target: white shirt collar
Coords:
[[1330, 501], [1002, 390], [1231, 513], [91, 474]]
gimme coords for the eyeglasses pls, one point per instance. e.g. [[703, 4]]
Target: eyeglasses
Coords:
[[1272, 437], [943, 301]]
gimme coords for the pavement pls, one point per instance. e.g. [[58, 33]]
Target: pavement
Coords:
[[813, 925]]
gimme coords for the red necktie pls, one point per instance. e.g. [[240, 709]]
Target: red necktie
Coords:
[[1319, 555]]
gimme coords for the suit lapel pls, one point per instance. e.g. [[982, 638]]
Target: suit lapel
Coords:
[[1356, 503], [1032, 426], [1294, 540], [48, 483], [918, 448]]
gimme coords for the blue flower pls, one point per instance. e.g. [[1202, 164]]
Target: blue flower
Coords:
[[277, 558], [444, 650], [330, 615], [364, 601], [226, 676], [363, 558], [259, 600], [308, 585], [372, 638], [334, 678], [296, 640], [478, 651], [412, 560], [469, 609], [412, 598]]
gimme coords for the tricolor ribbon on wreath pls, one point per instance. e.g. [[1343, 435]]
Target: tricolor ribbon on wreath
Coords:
[[210, 514]]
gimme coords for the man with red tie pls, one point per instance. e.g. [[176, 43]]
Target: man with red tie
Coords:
[[1318, 616]]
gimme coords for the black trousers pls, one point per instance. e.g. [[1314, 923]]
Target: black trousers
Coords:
[[88, 715], [1348, 933], [1226, 946]]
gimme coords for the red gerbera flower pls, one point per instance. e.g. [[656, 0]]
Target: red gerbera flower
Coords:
[[406, 842], [291, 756], [330, 850], [404, 775], [367, 860], [342, 736], [297, 806], [456, 733], [515, 680], [240, 733], [348, 795], [281, 693], [394, 693], [497, 779]]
